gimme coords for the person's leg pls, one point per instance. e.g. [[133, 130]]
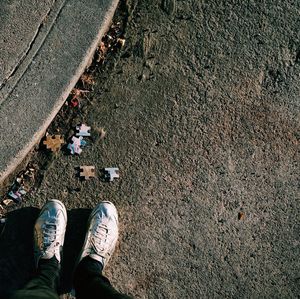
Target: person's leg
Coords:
[[49, 234], [44, 284], [90, 283], [99, 245]]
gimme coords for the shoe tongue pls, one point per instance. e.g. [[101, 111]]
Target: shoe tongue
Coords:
[[51, 225], [51, 230]]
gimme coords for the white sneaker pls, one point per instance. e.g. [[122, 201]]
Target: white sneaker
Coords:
[[49, 231], [102, 234]]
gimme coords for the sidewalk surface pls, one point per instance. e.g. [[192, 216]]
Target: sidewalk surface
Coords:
[[44, 48]]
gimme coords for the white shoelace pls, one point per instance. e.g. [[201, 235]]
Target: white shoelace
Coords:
[[99, 239], [49, 232]]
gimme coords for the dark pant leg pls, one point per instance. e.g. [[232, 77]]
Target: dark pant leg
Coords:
[[90, 283], [44, 284]]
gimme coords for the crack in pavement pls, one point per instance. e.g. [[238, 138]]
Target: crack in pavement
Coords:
[[37, 42]]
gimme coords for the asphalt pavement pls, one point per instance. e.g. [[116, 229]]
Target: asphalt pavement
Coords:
[[202, 117]]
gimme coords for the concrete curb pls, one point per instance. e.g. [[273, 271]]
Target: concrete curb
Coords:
[[49, 76]]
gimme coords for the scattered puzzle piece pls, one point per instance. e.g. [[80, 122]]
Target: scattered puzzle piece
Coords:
[[87, 172], [54, 142], [111, 173], [83, 130], [75, 145]]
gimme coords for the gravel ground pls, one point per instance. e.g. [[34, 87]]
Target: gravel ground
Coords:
[[202, 114]]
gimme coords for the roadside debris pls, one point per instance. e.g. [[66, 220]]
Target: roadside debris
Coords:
[[78, 92], [7, 202], [77, 97], [102, 50], [17, 191], [2, 212], [113, 40], [29, 173], [87, 172], [87, 79], [83, 130], [16, 195], [75, 145], [74, 102], [111, 173], [21, 186], [54, 142], [241, 215], [2, 225], [121, 41], [101, 132]]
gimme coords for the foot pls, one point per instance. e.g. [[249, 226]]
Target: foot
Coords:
[[49, 231], [102, 234]]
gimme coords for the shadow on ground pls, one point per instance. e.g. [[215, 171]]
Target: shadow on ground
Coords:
[[16, 249]]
